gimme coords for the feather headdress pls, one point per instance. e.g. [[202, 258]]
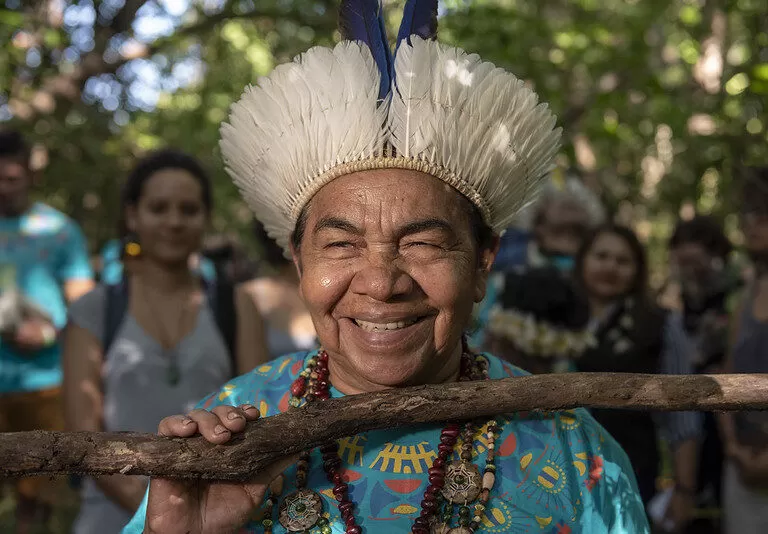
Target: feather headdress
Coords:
[[431, 108]]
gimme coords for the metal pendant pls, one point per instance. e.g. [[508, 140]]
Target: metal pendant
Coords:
[[463, 483], [301, 510]]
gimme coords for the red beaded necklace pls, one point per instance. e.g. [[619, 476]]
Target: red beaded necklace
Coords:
[[451, 484]]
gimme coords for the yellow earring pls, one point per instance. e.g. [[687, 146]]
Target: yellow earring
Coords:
[[132, 249]]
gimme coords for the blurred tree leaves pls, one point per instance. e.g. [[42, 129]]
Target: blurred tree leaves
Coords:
[[660, 99]]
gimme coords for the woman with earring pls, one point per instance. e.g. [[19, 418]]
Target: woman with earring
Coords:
[[154, 343]]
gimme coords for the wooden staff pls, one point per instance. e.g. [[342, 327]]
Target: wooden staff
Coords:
[[264, 441]]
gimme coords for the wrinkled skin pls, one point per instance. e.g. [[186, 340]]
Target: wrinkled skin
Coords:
[[385, 247], [394, 246]]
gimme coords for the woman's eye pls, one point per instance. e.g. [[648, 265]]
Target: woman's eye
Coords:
[[158, 208], [422, 244], [339, 244], [190, 211]]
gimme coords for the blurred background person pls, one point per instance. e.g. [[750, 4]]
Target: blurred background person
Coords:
[[550, 233], [703, 288], [540, 321], [560, 220], [151, 345], [706, 283], [636, 336], [745, 434], [44, 264], [275, 290]]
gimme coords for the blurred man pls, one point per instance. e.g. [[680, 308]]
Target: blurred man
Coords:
[[706, 283], [43, 265], [703, 288]]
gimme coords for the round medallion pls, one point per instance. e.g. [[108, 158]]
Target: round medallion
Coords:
[[462, 482], [301, 510]]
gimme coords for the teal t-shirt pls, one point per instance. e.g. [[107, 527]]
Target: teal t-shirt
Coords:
[[557, 473], [39, 252]]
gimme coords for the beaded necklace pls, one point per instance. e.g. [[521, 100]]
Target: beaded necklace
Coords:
[[451, 483]]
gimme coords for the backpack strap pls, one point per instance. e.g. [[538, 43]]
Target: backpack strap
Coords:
[[221, 298], [220, 295], [115, 308]]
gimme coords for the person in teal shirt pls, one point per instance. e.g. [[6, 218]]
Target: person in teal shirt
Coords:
[[558, 473], [44, 265], [389, 198]]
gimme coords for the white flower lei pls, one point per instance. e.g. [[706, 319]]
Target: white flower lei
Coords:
[[538, 338]]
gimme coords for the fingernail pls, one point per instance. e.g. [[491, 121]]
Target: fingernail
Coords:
[[233, 415], [219, 430], [187, 422], [247, 407]]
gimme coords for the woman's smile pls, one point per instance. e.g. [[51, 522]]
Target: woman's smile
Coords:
[[390, 334]]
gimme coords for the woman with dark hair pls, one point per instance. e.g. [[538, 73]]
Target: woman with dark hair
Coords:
[[275, 290], [635, 336], [152, 344]]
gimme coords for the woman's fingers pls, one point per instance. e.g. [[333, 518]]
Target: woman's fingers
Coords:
[[231, 417], [177, 426], [250, 411], [210, 426], [216, 426]]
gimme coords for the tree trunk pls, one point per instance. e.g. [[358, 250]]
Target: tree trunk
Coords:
[[266, 440]]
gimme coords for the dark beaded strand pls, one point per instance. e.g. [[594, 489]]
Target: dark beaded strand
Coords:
[[313, 384]]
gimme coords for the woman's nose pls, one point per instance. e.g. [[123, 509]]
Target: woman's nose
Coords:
[[175, 219], [383, 281]]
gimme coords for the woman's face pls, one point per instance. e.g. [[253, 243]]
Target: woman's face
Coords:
[[390, 272], [609, 269], [170, 217]]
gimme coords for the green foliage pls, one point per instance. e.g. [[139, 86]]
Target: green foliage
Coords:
[[660, 100]]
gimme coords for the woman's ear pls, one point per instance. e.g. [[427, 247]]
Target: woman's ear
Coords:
[[487, 257]]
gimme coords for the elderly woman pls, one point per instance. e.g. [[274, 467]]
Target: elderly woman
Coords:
[[389, 204]]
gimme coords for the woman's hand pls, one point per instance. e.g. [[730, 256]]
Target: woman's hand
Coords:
[[204, 507]]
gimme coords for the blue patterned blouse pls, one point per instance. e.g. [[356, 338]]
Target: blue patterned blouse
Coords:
[[557, 473]]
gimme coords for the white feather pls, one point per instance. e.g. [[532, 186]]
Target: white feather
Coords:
[[302, 120], [477, 124]]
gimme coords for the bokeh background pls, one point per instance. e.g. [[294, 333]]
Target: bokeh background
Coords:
[[661, 100]]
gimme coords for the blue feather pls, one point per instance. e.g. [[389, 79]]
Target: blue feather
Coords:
[[419, 18], [363, 20]]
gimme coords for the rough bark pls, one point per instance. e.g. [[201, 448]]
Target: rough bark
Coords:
[[273, 437]]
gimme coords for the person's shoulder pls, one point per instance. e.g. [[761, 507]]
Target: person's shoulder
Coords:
[[43, 218], [498, 368], [91, 301], [267, 386], [592, 436]]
